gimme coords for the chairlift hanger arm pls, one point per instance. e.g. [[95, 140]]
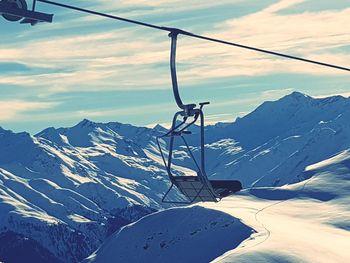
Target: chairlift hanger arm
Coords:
[[173, 36], [189, 34]]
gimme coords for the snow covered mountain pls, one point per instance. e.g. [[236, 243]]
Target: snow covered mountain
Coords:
[[68, 189], [304, 222], [272, 145], [64, 191]]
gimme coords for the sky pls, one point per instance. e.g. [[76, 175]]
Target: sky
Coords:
[[82, 66]]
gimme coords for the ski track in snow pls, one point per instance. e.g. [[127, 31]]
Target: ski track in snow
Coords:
[[247, 246], [256, 216]]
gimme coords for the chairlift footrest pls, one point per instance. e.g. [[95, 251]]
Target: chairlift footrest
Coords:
[[226, 187]]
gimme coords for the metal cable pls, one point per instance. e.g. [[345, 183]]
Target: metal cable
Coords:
[[189, 34]]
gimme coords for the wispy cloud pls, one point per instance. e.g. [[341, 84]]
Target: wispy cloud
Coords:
[[19, 107], [306, 34], [254, 99], [345, 94], [10, 110], [215, 118], [164, 5]]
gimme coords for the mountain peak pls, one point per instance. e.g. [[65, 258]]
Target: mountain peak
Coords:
[[159, 128], [85, 123], [16, 134], [297, 96]]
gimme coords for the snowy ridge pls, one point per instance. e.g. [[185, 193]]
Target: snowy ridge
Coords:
[[68, 189]]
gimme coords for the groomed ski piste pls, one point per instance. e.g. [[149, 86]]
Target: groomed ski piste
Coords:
[[307, 221]]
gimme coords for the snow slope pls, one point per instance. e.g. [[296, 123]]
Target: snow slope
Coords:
[[162, 237], [304, 222]]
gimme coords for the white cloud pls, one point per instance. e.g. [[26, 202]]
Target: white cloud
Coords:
[[281, 5], [146, 109], [275, 93], [345, 94], [12, 109], [215, 118], [164, 5], [254, 100], [99, 113]]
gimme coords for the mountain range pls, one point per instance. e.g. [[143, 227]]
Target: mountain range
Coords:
[[65, 191]]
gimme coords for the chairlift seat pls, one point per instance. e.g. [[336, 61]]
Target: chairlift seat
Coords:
[[196, 190], [29, 16]]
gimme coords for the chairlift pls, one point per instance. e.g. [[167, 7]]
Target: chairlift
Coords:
[[196, 188], [17, 10]]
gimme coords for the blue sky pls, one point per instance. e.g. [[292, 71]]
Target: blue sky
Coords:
[[89, 67]]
